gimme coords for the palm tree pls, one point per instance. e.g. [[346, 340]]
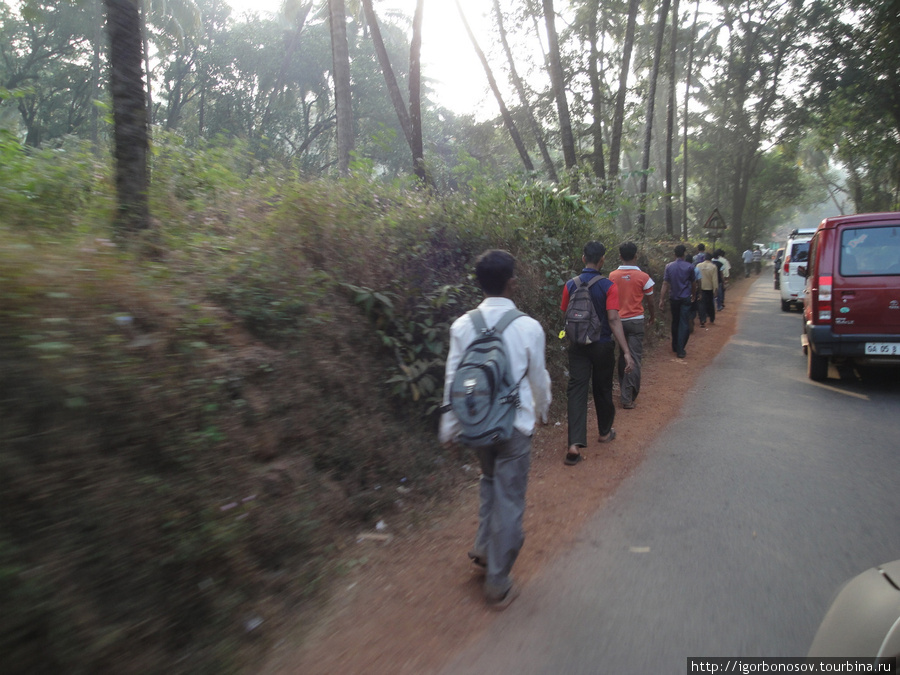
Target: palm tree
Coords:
[[619, 114], [651, 100], [123, 23], [176, 19], [559, 86], [536, 130], [410, 118], [340, 50], [670, 123], [504, 111]]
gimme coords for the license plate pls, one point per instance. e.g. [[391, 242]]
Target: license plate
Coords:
[[883, 348]]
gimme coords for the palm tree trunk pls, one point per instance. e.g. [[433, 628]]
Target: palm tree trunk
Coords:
[[523, 98], [342, 102], [597, 161], [415, 95], [504, 111], [389, 77], [95, 72], [615, 141], [651, 101], [146, 44], [670, 123], [687, 95], [123, 22], [559, 87]]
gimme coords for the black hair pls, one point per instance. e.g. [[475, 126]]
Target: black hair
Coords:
[[493, 270], [701, 247], [679, 251], [628, 250], [594, 252]]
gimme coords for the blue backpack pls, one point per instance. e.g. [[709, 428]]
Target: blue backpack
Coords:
[[483, 395]]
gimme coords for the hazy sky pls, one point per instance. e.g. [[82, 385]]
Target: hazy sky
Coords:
[[448, 58]]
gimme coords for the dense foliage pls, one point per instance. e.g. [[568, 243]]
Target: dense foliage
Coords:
[[192, 426]]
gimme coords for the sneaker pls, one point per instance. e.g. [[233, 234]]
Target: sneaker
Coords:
[[629, 405], [681, 355]]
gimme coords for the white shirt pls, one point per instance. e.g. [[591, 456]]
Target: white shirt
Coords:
[[525, 342], [726, 266]]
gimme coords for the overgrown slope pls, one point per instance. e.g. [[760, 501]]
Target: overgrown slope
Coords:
[[191, 423]]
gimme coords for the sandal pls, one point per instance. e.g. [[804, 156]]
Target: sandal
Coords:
[[572, 458], [611, 436]]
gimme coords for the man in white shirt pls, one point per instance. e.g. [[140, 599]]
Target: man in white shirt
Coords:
[[504, 465], [725, 269], [747, 259]]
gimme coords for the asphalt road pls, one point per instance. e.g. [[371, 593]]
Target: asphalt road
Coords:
[[750, 511]]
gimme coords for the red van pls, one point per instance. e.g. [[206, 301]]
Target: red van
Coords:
[[851, 305]]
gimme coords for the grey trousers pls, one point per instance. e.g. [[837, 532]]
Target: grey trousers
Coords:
[[630, 383], [504, 478]]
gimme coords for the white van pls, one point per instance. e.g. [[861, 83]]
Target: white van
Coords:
[[796, 254]]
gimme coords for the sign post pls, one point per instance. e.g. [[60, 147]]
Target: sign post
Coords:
[[714, 226]]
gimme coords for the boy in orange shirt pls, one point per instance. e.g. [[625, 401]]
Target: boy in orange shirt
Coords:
[[634, 286]]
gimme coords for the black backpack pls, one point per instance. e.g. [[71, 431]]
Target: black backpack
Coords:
[[483, 395], [583, 324]]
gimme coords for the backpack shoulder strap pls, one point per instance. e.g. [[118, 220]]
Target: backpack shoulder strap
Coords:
[[593, 281], [481, 327], [510, 316], [478, 321]]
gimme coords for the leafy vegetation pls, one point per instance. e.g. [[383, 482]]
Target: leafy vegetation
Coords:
[[191, 424]]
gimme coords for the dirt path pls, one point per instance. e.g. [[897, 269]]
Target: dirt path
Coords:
[[416, 601]]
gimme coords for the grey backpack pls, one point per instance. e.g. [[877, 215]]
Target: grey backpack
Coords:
[[483, 395], [583, 324]]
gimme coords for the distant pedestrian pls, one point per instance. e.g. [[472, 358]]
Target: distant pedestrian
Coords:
[[700, 255], [679, 287], [635, 292], [709, 282], [747, 258], [757, 260], [504, 465], [725, 270], [594, 363]]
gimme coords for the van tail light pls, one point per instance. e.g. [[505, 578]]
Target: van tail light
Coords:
[[787, 267], [824, 296]]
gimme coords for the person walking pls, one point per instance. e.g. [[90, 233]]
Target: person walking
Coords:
[[747, 259], [709, 282], [504, 465], [679, 286], [635, 290], [725, 270], [756, 256], [595, 362]]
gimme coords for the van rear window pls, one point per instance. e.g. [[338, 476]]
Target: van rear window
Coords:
[[870, 251], [800, 251]]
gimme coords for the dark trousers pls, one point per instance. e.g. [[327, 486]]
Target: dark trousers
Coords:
[[681, 318], [592, 364], [720, 298], [707, 306], [630, 383]]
